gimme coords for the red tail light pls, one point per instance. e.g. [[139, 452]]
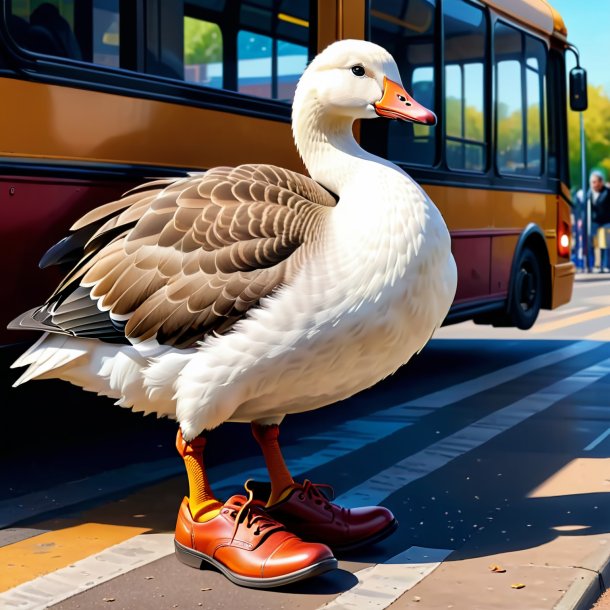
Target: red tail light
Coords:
[[564, 238]]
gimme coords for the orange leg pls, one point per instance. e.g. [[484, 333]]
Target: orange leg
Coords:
[[281, 479], [202, 503]]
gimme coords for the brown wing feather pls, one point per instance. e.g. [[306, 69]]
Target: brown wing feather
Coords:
[[204, 249]]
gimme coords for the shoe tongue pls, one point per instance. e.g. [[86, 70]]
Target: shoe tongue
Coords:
[[236, 502]]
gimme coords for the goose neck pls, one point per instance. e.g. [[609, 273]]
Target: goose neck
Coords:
[[327, 146]]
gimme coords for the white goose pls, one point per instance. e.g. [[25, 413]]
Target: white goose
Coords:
[[247, 293]]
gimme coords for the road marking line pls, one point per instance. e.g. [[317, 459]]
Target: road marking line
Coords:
[[54, 550], [469, 388], [345, 438], [570, 311], [377, 489], [571, 321], [598, 440], [82, 575], [381, 585]]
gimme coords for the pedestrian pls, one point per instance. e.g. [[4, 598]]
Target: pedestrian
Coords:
[[598, 198]]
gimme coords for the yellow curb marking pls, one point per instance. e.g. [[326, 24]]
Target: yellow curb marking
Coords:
[[28, 559]]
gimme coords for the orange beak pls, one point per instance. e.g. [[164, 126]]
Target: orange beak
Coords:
[[396, 103]]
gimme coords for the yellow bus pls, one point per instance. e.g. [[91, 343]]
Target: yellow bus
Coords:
[[98, 95]]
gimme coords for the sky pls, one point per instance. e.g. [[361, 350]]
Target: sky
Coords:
[[588, 23]]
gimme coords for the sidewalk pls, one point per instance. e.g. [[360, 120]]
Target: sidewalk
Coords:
[[581, 276], [568, 572]]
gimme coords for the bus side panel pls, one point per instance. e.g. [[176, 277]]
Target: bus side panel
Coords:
[[352, 18], [469, 217], [472, 257], [37, 213], [563, 283], [502, 252], [564, 270], [63, 123]]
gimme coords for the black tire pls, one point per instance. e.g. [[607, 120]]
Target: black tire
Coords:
[[525, 298]]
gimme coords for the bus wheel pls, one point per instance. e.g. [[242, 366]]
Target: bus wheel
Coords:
[[525, 299]]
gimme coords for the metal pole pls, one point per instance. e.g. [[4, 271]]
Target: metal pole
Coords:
[[587, 206], [586, 244]]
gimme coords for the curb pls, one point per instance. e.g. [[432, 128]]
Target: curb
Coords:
[[591, 277], [586, 589]]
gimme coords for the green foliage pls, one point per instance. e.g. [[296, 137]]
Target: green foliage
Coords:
[[202, 42], [473, 128], [597, 132], [510, 129]]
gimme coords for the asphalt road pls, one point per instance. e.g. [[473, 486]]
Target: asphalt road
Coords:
[[492, 447]]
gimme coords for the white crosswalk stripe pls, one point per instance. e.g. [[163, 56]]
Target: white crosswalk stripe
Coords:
[[381, 585], [87, 573], [376, 489]]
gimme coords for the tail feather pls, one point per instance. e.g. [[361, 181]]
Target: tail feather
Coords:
[[47, 354]]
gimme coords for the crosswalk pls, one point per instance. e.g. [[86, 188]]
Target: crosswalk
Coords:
[[377, 489], [89, 572], [381, 585], [130, 549]]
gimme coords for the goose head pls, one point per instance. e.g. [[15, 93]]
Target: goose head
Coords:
[[349, 80], [357, 79]]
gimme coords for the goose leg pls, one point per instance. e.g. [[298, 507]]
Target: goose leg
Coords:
[[281, 479], [202, 503], [306, 509], [228, 536]]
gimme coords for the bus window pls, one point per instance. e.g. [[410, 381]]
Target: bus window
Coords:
[[254, 65], [556, 94], [406, 28], [68, 29], [255, 68], [202, 52], [259, 47], [535, 69], [106, 27], [291, 63], [465, 30], [520, 68], [272, 47]]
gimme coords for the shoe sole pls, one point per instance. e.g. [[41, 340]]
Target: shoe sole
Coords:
[[197, 560], [390, 528]]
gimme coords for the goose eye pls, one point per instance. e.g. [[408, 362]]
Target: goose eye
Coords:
[[357, 70]]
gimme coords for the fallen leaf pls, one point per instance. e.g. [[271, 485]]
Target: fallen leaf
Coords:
[[497, 569], [517, 585]]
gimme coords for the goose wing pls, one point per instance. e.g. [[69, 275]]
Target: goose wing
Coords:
[[176, 259]]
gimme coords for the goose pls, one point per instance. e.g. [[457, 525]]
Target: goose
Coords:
[[248, 293]]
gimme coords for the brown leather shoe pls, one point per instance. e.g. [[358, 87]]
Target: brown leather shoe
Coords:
[[248, 546], [307, 511]]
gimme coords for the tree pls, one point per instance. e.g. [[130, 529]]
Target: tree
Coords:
[[202, 42]]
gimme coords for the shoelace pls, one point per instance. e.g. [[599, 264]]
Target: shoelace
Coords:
[[315, 491], [253, 515]]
